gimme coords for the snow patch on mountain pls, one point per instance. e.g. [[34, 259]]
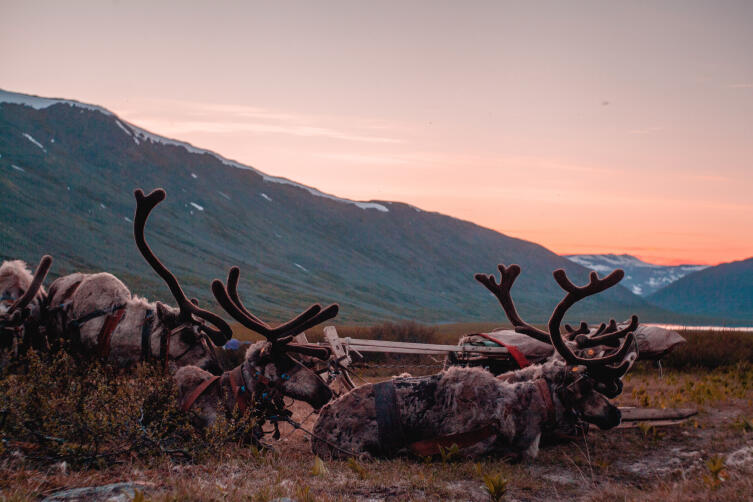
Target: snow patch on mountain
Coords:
[[640, 277], [30, 138], [144, 136]]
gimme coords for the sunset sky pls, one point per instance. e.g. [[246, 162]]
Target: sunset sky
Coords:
[[588, 127]]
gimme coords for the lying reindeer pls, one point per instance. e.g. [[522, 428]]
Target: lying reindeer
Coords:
[[96, 314], [21, 299], [471, 408], [268, 372]]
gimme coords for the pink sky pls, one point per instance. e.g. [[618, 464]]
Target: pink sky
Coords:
[[584, 126]]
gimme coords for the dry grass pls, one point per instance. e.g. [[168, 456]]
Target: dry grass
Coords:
[[686, 462], [625, 464]]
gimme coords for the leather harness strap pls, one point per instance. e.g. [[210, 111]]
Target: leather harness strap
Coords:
[[198, 391], [146, 336], [514, 352], [237, 384], [546, 395], [103, 338], [429, 447], [389, 425], [240, 390]]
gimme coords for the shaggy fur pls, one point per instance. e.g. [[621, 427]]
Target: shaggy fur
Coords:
[[303, 384], [74, 296], [461, 400], [15, 279]]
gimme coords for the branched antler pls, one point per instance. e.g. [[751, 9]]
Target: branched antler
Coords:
[[144, 206], [15, 315], [502, 292], [600, 367], [606, 334], [227, 296]]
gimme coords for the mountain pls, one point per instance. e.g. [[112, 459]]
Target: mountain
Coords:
[[68, 171], [640, 277], [724, 291]]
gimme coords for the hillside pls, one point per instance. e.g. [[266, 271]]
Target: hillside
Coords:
[[68, 174], [641, 278], [724, 291]]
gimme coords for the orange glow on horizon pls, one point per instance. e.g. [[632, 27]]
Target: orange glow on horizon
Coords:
[[617, 128]]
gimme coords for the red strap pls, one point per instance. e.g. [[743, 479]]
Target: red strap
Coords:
[[193, 396], [546, 395], [239, 391], [103, 339], [429, 447], [516, 354]]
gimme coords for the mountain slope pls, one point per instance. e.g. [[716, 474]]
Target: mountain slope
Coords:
[[68, 171], [640, 277], [724, 291]]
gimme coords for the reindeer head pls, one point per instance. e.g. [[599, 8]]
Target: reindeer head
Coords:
[[187, 334], [577, 396], [15, 311], [273, 359]]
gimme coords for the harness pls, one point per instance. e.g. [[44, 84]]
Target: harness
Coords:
[[19, 327], [265, 400], [114, 316], [392, 436]]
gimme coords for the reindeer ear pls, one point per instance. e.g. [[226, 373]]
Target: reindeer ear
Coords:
[[166, 315]]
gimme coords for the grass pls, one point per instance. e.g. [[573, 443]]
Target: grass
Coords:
[[677, 463]]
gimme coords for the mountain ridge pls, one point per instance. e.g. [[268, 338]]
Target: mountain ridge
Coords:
[[641, 277], [294, 246], [724, 291]]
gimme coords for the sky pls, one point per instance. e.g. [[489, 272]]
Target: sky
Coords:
[[587, 127]]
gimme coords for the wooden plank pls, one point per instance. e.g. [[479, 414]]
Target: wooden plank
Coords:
[[654, 423], [416, 348], [631, 414]]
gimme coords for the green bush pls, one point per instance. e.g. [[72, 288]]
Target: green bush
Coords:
[[90, 415]]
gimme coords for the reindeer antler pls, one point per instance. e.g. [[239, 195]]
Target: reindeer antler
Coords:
[[39, 274], [598, 366], [227, 297], [144, 206], [502, 292]]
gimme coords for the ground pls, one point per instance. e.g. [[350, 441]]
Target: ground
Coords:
[[710, 457]]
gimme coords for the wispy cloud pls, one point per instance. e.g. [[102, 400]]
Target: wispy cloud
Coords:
[[747, 85], [177, 117], [365, 158]]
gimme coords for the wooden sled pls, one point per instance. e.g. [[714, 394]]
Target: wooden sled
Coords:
[[632, 416]]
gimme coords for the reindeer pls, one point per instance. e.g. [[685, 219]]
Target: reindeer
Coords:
[[21, 298], [268, 373], [96, 314], [475, 410]]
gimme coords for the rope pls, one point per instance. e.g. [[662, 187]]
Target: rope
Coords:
[[296, 425], [406, 365]]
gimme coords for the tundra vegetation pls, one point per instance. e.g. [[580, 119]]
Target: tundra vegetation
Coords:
[[71, 426]]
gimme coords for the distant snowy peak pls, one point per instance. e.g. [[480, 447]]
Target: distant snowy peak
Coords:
[[139, 135], [640, 277]]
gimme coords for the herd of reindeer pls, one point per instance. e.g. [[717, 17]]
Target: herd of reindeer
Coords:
[[94, 316]]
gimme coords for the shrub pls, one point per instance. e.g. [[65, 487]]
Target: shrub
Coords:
[[90, 415], [711, 349]]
